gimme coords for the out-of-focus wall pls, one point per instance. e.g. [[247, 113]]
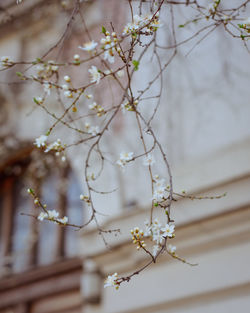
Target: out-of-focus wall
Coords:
[[203, 123]]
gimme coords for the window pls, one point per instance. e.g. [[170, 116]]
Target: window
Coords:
[[24, 241]]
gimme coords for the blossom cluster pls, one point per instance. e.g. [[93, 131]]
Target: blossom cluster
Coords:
[[150, 22], [160, 189], [89, 46], [85, 199], [109, 45], [125, 157], [98, 109], [149, 160], [57, 146], [157, 233], [93, 130], [95, 74], [111, 281], [52, 215], [127, 106], [46, 70]]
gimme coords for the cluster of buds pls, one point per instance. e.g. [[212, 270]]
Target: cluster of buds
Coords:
[[56, 146], [212, 7], [46, 70], [68, 91], [85, 199], [109, 45], [99, 110], [245, 25], [91, 177], [5, 62], [128, 106], [137, 237]]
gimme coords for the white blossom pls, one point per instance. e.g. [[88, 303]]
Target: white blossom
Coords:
[[168, 230], [94, 130], [140, 21], [120, 73], [171, 249], [39, 100], [160, 183], [41, 141], [89, 46], [126, 156], [156, 249], [56, 146], [156, 231], [50, 214], [68, 94], [157, 237], [148, 229], [149, 160], [92, 106], [109, 55], [95, 75], [53, 214], [42, 216], [63, 220], [111, 281], [54, 68], [76, 57], [67, 78], [46, 88], [160, 193], [65, 87]]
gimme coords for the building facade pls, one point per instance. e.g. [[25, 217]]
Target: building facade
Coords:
[[203, 123]]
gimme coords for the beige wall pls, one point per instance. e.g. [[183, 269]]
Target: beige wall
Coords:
[[204, 124]]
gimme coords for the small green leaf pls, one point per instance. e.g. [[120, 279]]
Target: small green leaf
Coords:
[[47, 133], [104, 30], [181, 25], [19, 74], [136, 64], [34, 99]]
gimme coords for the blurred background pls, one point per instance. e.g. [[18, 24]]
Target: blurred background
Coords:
[[204, 125]]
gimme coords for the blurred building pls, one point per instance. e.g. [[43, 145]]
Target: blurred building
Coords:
[[48, 269]]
